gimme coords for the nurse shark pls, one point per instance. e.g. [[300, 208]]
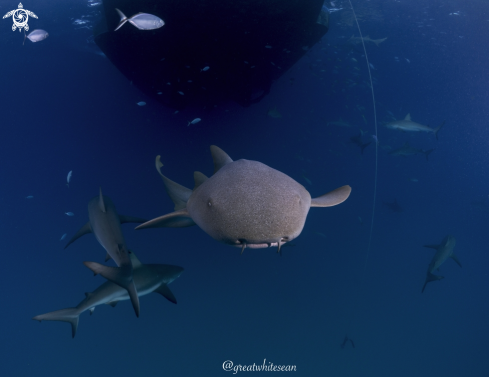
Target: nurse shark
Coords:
[[244, 204]]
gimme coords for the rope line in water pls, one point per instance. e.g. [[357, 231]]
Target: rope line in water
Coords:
[[376, 167]]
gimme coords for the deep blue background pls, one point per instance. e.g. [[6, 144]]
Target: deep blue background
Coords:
[[65, 108]]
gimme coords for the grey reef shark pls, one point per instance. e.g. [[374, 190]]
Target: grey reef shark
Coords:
[[244, 203], [105, 224], [443, 252], [407, 125], [147, 278], [407, 150]]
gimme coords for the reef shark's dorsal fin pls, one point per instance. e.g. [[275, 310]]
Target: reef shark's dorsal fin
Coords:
[[166, 293], [85, 229], [130, 219], [432, 246], [407, 117], [101, 203], [332, 198], [136, 263], [454, 257], [177, 219], [219, 157], [177, 193], [199, 178]]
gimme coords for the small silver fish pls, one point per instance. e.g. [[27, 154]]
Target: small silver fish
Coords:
[[29, 197], [142, 103], [181, 93], [205, 69], [68, 178], [195, 121], [37, 35], [69, 214], [143, 21], [63, 237]]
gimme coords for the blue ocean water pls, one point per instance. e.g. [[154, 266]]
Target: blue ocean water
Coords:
[[67, 108]]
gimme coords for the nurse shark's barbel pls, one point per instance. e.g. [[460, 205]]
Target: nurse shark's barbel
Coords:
[[105, 224], [244, 204]]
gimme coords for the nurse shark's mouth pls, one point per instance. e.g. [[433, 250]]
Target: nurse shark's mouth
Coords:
[[243, 244]]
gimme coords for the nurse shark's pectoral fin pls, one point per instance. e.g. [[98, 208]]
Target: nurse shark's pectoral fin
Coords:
[[177, 219], [85, 229], [332, 198], [166, 293], [130, 219], [219, 157], [122, 276]]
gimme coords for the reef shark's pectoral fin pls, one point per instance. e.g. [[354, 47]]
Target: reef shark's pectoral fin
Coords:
[[429, 278], [432, 246], [122, 276], [332, 198], [219, 157], [136, 263], [454, 257], [166, 293], [177, 193], [112, 303], [199, 178], [69, 315], [101, 204], [85, 229], [177, 219], [130, 219]]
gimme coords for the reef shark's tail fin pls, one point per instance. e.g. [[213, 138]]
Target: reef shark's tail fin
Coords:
[[363, 146], [435, 131], [427, 153], [122, 276], [429, 278], [70, 315]]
